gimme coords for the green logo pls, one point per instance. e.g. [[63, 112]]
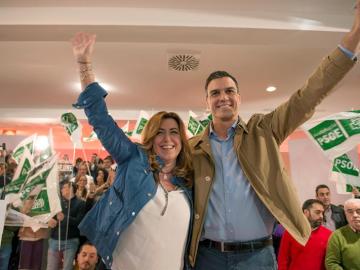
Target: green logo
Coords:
[[193, 125], [141, 126], [352, 126], [344, 165], [327, 134]]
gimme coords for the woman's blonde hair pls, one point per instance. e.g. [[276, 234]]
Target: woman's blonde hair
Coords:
[[183, 167]]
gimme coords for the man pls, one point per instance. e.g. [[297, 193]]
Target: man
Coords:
[[240, 183], [64, 242], [110, 167], [8, 233], [293, 256], [344, 244], [93, 165], [87, 257], [82, 171], [334, 215], [31, 242]]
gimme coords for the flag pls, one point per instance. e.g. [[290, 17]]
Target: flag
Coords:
[[35, 178], [345, 171], [73, 128], [139, 126], [48, 151], [336, 134], [196, 124], [41, 184], [25, 165], [28, 143], [125, 128]]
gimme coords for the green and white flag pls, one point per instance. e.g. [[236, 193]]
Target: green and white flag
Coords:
[[205, 119], [25, 165], [345, 169], [48, 151], [336, 134], [197, 124], [139, 126], [41, 184], [19, 150], [73, 128], [35, 181], [126, 130]]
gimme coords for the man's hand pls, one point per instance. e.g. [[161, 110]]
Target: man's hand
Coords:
[[52, 223], [28, 204], [351, 40], [60, 216]]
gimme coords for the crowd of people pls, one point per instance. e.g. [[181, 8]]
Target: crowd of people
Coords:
[[208, 203], [57, 246]]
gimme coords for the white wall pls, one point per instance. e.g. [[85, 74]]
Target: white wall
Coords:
[[309, 168]]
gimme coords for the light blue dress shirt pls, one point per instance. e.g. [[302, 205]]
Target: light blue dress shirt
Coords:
[[235, 212]]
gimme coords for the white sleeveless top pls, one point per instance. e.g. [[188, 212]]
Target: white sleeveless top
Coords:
[[153, 241]]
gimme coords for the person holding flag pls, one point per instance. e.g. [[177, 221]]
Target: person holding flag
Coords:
[[143, 220]]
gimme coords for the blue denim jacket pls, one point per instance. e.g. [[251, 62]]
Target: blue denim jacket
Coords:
[[134, 183]]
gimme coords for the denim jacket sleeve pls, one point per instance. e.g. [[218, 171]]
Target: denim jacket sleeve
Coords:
[[92, 100]]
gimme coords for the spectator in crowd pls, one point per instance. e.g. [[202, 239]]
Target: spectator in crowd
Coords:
[[8, 233], [101, 183], [334, 217], [240, 185], [277, 234], [64, 242], [87, 257], [294, 256], [356, 192], [343, 250], [151, 191], [83, 171], [93, 166], [81, 187], [78, 162], [109, 165], [32, 242]]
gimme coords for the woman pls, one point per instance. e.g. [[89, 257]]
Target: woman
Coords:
[[101, 183], [81, 190], [143, 220]]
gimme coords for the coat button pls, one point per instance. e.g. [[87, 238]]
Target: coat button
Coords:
[[133, 213], [117, 233], [110, 202], [149, 194], [197, 216], [207, 178]]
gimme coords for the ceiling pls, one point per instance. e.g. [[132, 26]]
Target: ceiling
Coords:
[[260, 42]]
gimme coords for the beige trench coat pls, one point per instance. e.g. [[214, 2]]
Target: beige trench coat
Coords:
[[257, 147]]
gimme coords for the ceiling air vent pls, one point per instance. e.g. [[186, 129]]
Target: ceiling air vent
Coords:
[[183, 61]]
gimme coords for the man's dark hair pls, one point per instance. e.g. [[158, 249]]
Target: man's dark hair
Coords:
[[67, 181], [321, 186], [218, 75], [109, 158], [309, 203], [87, 243]]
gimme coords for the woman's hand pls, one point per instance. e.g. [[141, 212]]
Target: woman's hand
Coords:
[[83, 46]]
